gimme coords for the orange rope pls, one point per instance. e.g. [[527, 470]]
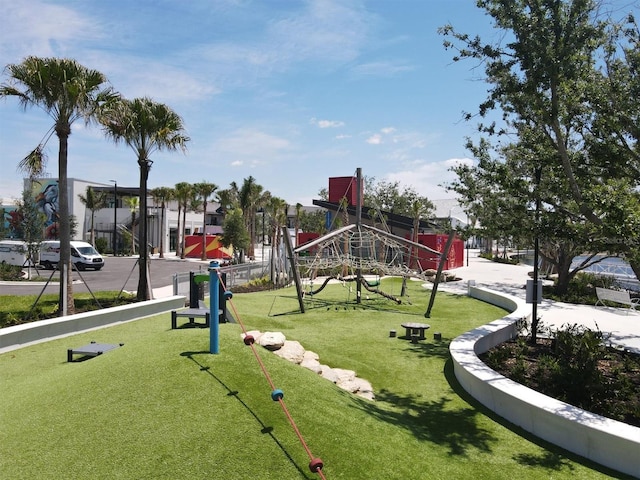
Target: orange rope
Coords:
[[314, 460]]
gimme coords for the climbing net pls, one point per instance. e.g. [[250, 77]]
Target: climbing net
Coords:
[[277, 395], [368, 249]]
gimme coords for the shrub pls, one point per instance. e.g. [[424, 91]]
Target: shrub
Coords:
[[101, 245]]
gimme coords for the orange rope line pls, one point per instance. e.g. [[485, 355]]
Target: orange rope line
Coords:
[[272, 385]]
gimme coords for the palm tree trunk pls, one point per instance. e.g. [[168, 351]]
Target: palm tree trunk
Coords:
[[143, 280], [66, 306]]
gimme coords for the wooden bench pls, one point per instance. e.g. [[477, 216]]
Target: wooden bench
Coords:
[[617, 296]]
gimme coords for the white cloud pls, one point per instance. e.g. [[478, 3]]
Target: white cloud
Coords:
[[251, 145], [381, 69], [326, 123], [427, 178], [43, 29], [375, 139]]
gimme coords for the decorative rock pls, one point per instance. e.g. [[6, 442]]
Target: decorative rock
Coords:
[[309, 355], [295, 352], [292, 351], [271, 340], [337, 375], [311, 364]]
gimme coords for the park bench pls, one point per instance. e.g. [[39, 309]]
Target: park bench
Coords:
[[192, 313], [617, 296]]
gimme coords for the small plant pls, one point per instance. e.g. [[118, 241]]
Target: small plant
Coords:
[[101, 245], [10, 273]]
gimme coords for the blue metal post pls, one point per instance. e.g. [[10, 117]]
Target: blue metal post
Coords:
[[214, 305]]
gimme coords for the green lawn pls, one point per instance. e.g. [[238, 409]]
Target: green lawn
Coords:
[[162, 407]]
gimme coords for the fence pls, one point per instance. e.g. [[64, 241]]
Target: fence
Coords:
[[236, 275]]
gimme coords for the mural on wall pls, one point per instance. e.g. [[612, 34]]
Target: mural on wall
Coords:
[[45, 193], [9, 215]]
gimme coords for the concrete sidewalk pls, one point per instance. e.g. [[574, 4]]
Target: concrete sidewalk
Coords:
[[622, 324]]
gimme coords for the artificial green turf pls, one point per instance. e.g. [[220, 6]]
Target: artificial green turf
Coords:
[[162, 406]]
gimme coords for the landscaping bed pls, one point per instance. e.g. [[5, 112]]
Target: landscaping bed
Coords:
[[576, 367]]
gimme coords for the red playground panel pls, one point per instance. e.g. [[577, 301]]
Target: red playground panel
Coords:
[[193, 247], [437, 242]]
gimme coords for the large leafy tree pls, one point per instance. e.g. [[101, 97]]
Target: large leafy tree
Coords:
[[67, 91], [146, 127], [235, 232], [546, 79], [204, 190], [540, 79]]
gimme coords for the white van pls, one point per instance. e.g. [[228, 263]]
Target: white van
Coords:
[[83, 255], [13, 252]]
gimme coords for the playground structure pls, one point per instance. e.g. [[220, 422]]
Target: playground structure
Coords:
[[357, 251]]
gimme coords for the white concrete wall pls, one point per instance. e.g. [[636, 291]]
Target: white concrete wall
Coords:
[[610, 443], [19, 336]]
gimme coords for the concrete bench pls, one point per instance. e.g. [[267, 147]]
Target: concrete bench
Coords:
[[617, 296]]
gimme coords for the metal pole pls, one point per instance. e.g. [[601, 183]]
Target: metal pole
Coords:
[[214, 305], [115, 216], [358, 224], [534, 307]]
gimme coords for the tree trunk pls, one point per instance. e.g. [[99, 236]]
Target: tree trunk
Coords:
[[66, 304], [143, 280]]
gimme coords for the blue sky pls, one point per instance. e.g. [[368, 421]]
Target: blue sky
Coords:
[[290, 91]]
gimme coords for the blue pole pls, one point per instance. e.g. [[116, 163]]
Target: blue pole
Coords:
[[214, 305]]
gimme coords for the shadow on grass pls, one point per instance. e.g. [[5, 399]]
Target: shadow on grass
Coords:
[[432, 421], [553, 458], [234, 393], [427, 349]]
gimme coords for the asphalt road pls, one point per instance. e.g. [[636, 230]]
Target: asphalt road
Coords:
[[118, 273]]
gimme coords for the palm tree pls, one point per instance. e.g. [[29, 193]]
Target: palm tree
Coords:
[[182, 195], [146, 127], [134, 205], [162, 195], [249, 196], [276, 207], [93, 201], [204, 190], [66, 91]]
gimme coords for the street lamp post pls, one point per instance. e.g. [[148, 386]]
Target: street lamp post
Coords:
[[115, 216]]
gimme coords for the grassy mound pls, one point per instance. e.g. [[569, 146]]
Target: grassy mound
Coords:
[[162, 407]]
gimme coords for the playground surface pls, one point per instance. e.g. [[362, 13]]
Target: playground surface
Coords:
[[621, 324]]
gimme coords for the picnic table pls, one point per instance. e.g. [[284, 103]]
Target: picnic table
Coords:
[[415, 331]]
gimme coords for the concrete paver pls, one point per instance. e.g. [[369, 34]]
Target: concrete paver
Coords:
[[621, 324]]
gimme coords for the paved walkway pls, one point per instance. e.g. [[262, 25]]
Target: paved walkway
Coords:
[[622, 324]]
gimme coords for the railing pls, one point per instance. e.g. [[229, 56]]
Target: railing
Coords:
[[236, 275]]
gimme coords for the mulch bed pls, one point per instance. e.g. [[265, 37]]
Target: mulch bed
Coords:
[[616, 394]]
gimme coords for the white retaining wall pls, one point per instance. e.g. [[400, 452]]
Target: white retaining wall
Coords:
[[19, 336], [608, 442]]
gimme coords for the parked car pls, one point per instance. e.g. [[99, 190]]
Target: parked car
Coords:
[[83, 255]]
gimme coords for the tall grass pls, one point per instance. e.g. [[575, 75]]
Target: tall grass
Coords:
[[163, 407]]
